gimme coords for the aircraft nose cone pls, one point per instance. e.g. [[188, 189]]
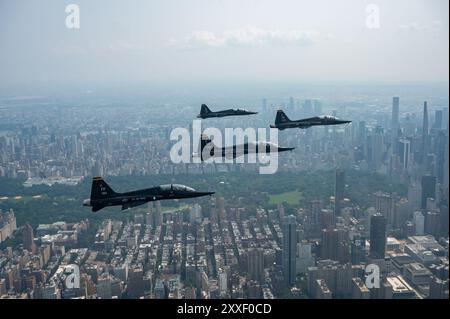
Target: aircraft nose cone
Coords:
[[205, 193], [283, 149]]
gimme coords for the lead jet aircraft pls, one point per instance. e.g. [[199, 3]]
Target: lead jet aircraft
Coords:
[[102, 195], [205, 112], [283, 122], [209, 150]]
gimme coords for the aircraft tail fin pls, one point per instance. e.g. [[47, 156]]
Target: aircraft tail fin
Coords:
[[205, 109], [206, 141], [101, 190], [281, 117]]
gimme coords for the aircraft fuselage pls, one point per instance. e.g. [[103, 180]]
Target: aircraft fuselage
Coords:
[[230, 112], [140, 197], [236, 151], [306, 123]]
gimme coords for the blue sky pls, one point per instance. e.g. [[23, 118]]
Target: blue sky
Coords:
[[222, 40]]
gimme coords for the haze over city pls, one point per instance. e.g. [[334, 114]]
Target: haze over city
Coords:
[[158, 43], [91, 93]]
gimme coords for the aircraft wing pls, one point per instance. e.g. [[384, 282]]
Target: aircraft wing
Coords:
[[133, 204]]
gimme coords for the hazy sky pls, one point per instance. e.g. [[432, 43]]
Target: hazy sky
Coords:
[[229, 40]]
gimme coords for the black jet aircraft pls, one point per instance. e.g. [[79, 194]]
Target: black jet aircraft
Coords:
[[205, 112], [283, 122], [102, 195], [209, 150]]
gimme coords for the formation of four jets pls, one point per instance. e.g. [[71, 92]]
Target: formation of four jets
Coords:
[[102, 194]]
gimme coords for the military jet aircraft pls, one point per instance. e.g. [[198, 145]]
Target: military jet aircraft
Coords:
[[102, 195], [283, 122], [209, 150], [205, 112]]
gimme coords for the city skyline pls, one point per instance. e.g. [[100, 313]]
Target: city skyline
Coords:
[[333, 232], [94, 91]]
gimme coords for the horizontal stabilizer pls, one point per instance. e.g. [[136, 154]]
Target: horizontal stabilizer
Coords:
[[96, 208]]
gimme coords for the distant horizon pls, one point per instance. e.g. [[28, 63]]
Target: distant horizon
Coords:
[[175, 85]]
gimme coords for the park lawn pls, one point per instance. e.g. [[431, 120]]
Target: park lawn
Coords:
[[292, 198], [21, 199]]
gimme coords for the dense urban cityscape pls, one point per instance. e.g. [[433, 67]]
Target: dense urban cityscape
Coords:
[[288, 243], [224, 158]]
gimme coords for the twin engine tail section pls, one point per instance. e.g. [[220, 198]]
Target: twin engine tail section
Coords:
[[205, 109], [281, 118], [204, 141], [100, 190]]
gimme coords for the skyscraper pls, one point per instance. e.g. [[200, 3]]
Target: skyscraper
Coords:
[[28, 238], [358, 248], [104, 287], [329, 246], [291, 103], [305, 258], [339, 188], [384, 203], [223, 281], [378, 147], [446, 164], [428, 189], [160, 291], [432, 223], [361, 132], [256, 264], [378, 236], [445, 117], [157, 215], [437, 119], [425, 130], [312, 223], [395, 125], [135, 287], [307, 108], [440, 143], [289, 249], [404, 151], [317, 107], [419, 223]]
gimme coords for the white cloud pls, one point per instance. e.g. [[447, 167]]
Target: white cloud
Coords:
[[248, 36]]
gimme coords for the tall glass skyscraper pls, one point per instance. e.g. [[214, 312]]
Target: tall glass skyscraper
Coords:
[[289, 249], [395, 126], [339, 187], [428, 189], [378, 236]]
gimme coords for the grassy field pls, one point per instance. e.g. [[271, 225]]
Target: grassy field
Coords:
[[23, 199], [291, 198], [63, 202]]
